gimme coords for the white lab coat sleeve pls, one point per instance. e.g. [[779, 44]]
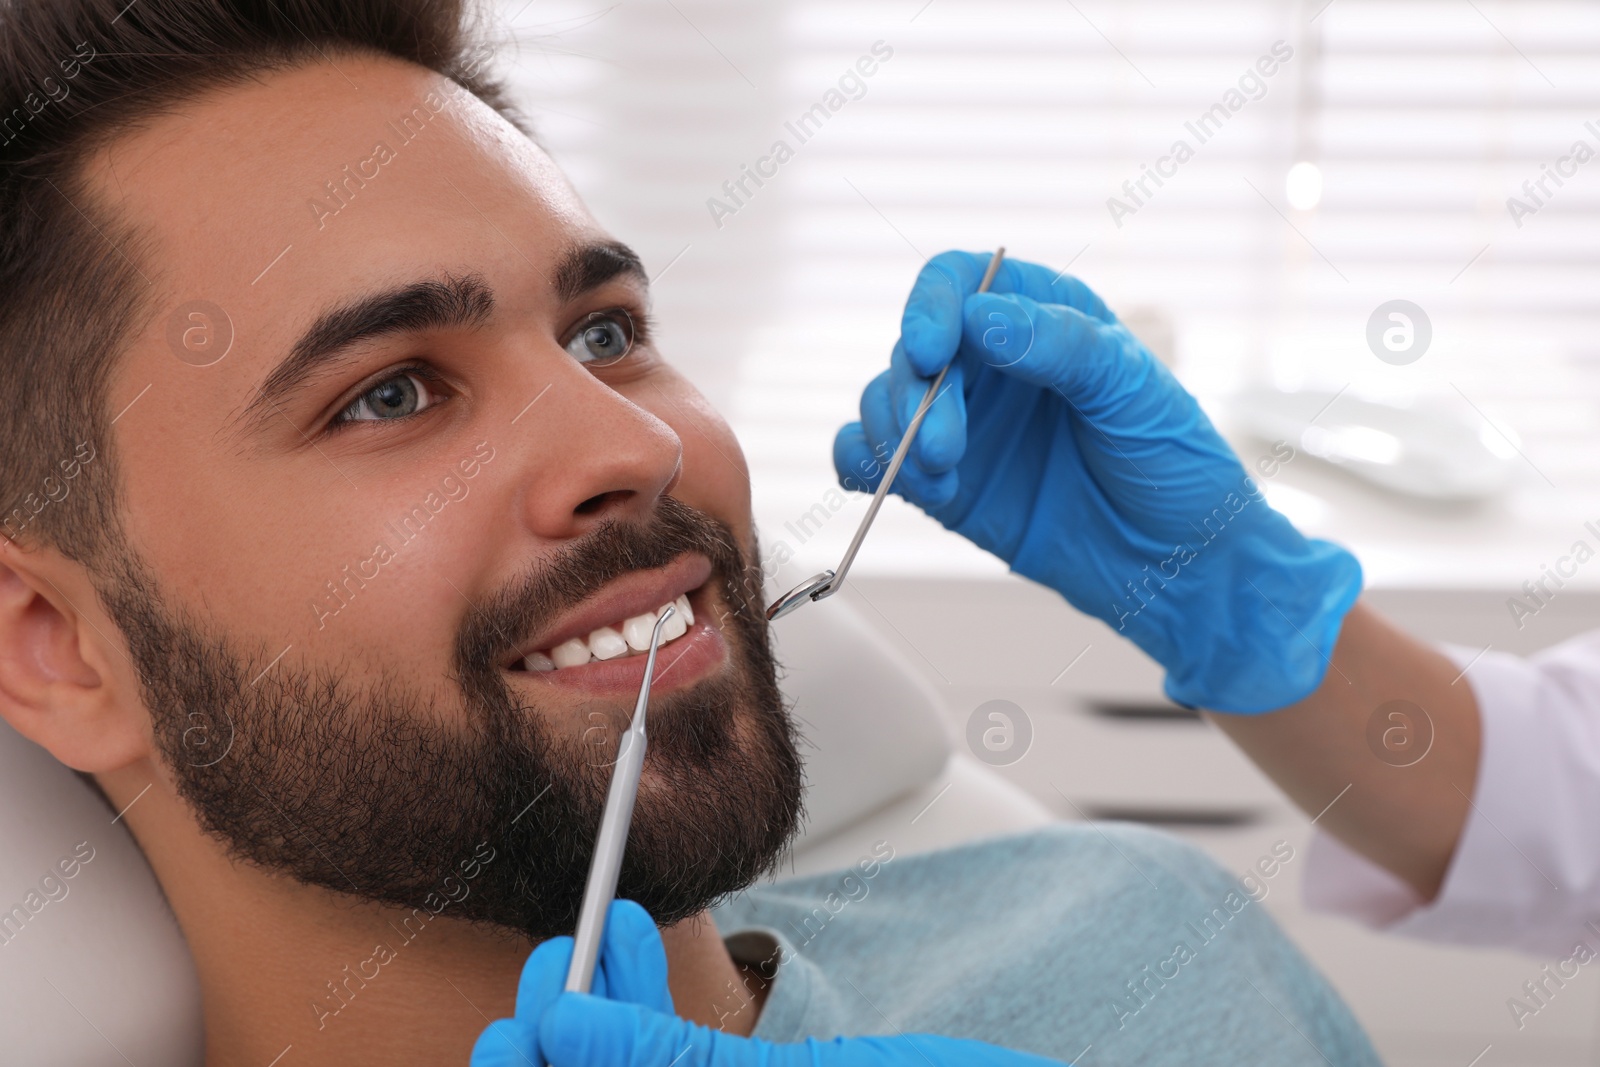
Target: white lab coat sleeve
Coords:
[[1526, 872]]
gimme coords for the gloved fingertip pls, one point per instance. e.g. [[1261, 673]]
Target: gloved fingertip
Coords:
[[633, 957], [505, 1042], [930, 327], [543, 976], [881, 430], [906, 400], [930, 341], [852, 459], [941, 440], [626, 920]]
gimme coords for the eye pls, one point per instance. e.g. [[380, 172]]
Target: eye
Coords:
[[602, 338], [393, 398]]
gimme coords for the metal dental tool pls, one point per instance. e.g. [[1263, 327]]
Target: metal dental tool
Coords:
[[613, 839], [829, 582]]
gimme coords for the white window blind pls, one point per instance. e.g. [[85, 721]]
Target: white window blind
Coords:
[[1015, 121]]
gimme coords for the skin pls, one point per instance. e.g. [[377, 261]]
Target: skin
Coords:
[[245, 523], [1407, 819]]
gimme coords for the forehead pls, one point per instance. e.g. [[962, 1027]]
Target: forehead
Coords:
[[270, 198]]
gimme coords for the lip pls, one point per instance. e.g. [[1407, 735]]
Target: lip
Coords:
[[635, 593]]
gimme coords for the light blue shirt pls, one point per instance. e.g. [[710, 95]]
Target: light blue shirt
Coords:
[[1109, 938]]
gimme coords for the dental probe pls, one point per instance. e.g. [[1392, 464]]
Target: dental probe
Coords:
[[829, 582], [613, 839]]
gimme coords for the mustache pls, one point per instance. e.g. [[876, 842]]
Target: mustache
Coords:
[[498, 628]]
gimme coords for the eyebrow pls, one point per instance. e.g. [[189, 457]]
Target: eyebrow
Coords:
[[448, 303], [436, 304], [590, 266]]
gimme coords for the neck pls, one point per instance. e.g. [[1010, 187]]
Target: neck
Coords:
[[284, 965]]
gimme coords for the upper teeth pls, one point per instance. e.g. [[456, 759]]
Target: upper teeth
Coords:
[[630, 636]]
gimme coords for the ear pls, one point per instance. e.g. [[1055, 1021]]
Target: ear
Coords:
[[65, 680]]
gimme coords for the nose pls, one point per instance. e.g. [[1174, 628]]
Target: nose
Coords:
[[594, 456]]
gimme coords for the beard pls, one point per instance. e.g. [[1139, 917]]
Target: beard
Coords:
[[386, 792]]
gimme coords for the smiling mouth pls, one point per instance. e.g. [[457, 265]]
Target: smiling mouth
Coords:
[[617, 640]]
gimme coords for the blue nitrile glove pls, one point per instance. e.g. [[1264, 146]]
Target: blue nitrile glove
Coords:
[[632, 968], [1060, 444], [629, 1022]]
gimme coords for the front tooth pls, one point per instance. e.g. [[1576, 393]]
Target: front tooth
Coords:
[[538, 661], [636, 631], [572, 652], [606, 643], [674, 627], [682, 604]]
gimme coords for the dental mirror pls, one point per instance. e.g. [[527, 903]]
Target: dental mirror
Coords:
[[829, 582]]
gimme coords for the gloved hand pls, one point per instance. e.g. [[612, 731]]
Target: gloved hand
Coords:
[[1060, 444], [629, 1022]]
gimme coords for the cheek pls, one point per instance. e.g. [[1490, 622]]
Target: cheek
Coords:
[[290, 562], [715, 477]]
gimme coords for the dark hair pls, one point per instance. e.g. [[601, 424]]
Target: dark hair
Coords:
[[74, 74]]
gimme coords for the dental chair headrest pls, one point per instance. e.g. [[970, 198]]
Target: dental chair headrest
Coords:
[[93, 970]]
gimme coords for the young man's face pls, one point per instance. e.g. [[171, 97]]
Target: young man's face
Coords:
[[377, 449]]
